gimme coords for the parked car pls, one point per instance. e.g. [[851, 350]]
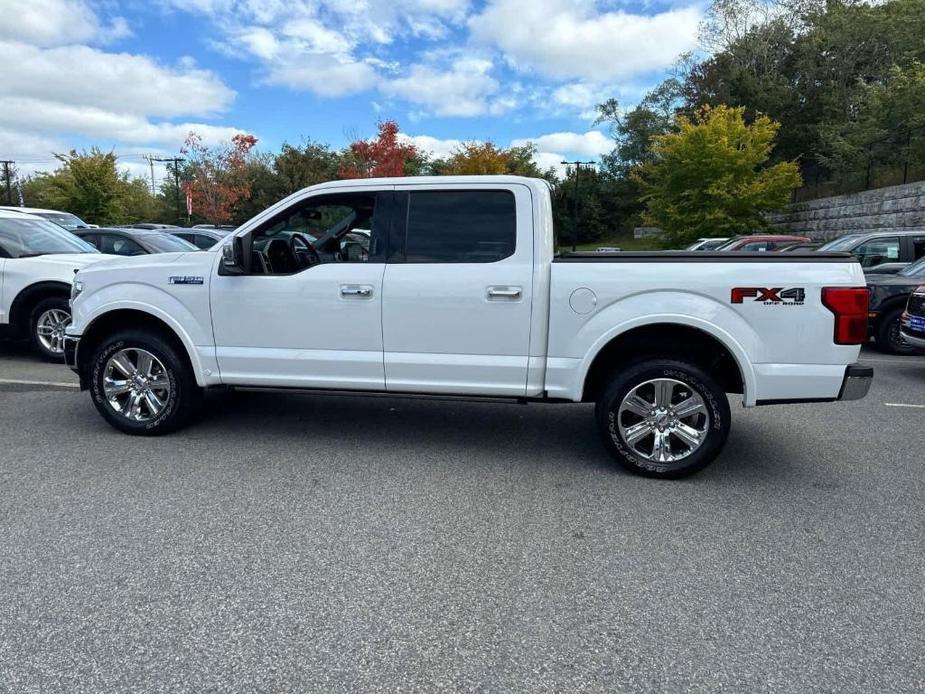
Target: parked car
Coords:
[[912, 326], [63, 219], [216, 227], [708, 244], [798, 247], [38, 260], [460, 293], [759, 242], [127, 241], [882, 252], [203, 239], [888, 297], [607, 249], [151, 226]]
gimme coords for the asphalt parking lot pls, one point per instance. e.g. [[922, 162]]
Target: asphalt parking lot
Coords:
[[321, 543]]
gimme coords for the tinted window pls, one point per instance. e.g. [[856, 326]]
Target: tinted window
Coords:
[[877, 251], [918, 247], [460, 226], [119, 245], [165, 243]]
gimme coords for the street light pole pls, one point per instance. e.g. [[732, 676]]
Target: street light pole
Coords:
[[576, 214]]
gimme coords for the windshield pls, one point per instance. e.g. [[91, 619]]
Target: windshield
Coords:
[[916, 269], [165, 243], [729, 244], [64, 219], [840, 244], [23, 238]]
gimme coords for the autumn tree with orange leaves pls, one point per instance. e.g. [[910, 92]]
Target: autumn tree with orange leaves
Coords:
[[216, 177], [384, 156]]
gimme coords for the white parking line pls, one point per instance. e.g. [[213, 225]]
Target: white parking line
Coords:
[[902, 404], [51, 384]]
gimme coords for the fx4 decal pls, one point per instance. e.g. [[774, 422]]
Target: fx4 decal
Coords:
[[794, 296]]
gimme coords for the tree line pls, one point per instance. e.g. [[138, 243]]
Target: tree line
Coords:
[[791, 99]]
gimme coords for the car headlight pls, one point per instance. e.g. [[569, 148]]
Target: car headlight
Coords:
[[77, 286]]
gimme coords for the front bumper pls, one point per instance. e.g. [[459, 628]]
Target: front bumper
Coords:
[[70, 351], [858, 379], [916, 338]]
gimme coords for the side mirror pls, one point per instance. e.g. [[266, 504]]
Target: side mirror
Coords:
[[233, 260]]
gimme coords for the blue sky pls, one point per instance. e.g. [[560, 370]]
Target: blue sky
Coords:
[[136, 75]]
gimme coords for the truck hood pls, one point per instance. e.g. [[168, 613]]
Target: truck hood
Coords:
[[118, 262], [75, 261]]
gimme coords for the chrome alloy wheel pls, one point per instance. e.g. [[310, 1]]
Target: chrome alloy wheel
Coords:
[[663, 420], [136, 385], [49, 329]]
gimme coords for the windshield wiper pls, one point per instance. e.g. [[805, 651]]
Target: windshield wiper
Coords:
[[32, 255]]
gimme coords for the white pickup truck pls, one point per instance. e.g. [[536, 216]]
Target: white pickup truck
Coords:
[[452, 286]]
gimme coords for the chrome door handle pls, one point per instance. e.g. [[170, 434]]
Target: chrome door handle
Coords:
[[504, 292], [353, 290]]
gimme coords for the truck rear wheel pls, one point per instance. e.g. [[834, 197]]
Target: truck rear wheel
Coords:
[[663, 418], [142, 384]]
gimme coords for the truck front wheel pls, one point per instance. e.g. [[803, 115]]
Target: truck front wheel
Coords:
[[142, 384], [663, 418]]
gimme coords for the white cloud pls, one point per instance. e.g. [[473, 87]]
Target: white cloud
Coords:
[[433, 146], [102, 125], [590, 144], [566, 39], [328, 47], [121, 82], [56, 23], [464, 89]]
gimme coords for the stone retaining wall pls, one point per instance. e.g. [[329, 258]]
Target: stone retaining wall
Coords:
[[884, 209]]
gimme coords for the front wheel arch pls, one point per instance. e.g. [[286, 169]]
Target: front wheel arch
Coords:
[[118, 320], [29, 297]]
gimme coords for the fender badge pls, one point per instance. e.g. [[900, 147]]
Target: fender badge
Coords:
[[185, 279]]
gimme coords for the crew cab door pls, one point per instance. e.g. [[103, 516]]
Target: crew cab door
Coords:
[[320, 327], [458, 290]]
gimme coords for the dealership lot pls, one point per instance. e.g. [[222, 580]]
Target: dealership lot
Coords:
[[335, 543]]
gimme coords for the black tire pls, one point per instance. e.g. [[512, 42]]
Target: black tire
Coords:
[[184, 397], [715, 417], [889, 340], [56, 304]]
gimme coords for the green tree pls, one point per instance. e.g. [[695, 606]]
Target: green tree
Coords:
[[90, 185], [711, 177]]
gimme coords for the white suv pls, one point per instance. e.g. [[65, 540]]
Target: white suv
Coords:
[[38, 260]]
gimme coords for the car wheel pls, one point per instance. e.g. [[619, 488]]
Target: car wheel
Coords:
[[663, 418], [47, 322], [889, 339], [142, 383]]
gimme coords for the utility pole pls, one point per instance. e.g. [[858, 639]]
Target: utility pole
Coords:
[[7, 163], [150, 158], [176, 177], [576, 214]]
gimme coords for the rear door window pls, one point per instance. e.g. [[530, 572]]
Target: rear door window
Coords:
[[457, 226]]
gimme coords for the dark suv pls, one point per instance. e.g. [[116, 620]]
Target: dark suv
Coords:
[[912, 327], [888, 297], [883, 252]]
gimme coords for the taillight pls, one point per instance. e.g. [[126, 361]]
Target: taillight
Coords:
[[849, 304]]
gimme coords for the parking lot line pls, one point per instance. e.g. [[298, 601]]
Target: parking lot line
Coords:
[[901, 404], [50, 384]]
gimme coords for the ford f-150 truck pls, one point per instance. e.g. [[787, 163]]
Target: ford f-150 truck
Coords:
[[460, 292]]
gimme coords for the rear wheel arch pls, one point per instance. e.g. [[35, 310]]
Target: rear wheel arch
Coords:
[[665, 340]]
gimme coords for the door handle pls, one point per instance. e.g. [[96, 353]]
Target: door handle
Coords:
[[504, 292], [355, 290]]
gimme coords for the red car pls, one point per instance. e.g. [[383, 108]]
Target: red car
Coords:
[[759, 242]]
